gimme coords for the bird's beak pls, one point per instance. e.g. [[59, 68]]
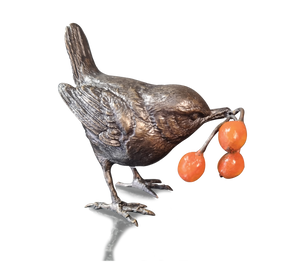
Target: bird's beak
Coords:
[[219, 112], [228, 113]]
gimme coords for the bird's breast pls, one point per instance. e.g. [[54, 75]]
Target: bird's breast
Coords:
[[146, 145]]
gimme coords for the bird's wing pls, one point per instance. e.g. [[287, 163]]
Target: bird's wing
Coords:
[[101, 111], [118, 115]]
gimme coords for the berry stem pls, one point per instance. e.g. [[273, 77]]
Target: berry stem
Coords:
[[231, 115]]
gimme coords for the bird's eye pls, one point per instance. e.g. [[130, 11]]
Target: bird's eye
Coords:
[[194, 116]]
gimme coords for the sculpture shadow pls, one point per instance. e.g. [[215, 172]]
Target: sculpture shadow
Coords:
[[120, 233]]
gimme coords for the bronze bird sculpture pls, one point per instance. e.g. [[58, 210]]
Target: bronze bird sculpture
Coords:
[[129, 122]]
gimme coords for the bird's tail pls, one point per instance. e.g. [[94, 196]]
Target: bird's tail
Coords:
[[80, 54]]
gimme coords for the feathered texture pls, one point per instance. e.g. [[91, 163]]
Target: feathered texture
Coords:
[[131, 122], [80, 54]]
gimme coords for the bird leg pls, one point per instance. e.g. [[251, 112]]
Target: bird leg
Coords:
[[144, 184], [118, 206]]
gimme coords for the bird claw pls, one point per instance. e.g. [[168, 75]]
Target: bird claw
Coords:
[[122, 208], [158, 184], [149, 184], [137, 184]]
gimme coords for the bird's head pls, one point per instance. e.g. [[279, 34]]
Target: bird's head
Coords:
[[181, 111]]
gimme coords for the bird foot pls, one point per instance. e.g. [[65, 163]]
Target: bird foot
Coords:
[[158, 184], [122, 208], [137, 184], [146, 185]]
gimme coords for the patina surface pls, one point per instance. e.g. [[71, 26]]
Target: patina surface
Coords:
[[129, 122]]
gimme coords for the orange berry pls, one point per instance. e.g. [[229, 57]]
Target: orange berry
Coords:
[[191, 166], [231, 165], [232, 135]]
